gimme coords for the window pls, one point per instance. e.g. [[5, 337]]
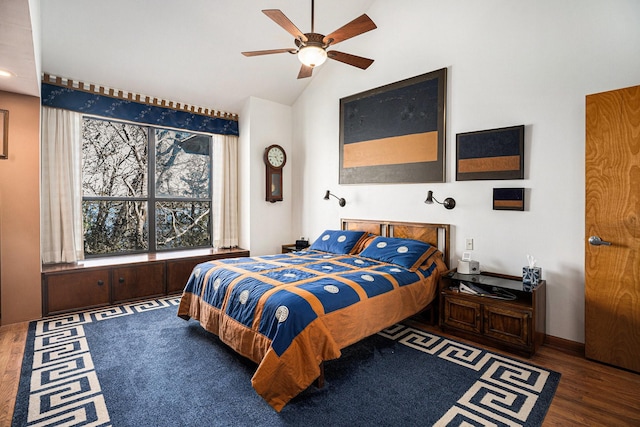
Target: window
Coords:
[[144, 189]]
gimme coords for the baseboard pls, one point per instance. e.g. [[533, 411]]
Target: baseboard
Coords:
[[564, 345]]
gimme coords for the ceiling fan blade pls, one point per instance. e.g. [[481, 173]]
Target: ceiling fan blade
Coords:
[[360, 25], [347, 58], [268, 52], [305, 72], [279, 18]]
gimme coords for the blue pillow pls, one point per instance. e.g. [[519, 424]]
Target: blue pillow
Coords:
[[406, 253], [337, 241]]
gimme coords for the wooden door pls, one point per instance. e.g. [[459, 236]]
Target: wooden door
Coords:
[[612, 214]]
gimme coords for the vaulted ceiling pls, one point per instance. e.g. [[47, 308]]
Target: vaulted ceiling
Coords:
[[17, 48], [183, 51]]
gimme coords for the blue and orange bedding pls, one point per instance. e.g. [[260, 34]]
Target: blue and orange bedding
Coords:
[[289, 312]]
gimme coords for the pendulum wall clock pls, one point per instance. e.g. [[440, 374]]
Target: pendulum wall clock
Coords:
[[274, 159]]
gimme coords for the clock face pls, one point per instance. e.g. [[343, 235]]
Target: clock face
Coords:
[[276, 157]]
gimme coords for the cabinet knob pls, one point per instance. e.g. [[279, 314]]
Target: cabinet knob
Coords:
[[121, 280], [100, 282]]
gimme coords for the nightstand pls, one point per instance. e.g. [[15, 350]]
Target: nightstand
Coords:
[[291, 247], [516, 324]]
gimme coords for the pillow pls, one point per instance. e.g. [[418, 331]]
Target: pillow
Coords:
[[406, 253], [337, 241], [363, 243]]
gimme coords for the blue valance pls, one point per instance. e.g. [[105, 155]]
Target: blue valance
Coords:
[[80, 101]]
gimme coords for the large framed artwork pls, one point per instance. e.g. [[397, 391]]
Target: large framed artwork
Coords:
[[490, 154], [395, 133]]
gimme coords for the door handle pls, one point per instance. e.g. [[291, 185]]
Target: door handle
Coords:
[[597, 241]]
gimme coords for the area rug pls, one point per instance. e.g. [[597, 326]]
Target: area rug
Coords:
[[140, 365]]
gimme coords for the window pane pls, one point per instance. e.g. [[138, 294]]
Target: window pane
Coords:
[[182, 164], [115, 227], [114, 159], [182, 224]]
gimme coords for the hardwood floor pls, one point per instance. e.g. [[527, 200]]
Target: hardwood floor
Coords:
[[589, 394], [12, 341]]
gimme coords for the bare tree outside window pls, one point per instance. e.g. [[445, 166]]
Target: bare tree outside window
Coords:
[[183, 176], [121, 213]]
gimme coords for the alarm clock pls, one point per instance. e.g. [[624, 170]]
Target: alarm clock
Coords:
[[468, 266]]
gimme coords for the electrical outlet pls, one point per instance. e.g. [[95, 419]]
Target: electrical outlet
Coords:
[[469, 244]]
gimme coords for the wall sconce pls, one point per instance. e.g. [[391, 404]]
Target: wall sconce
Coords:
[[448, 203], [341, 201]]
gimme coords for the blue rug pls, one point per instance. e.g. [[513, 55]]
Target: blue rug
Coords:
[[140, 365]]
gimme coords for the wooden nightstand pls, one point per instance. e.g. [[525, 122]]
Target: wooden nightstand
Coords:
[[516, 325]]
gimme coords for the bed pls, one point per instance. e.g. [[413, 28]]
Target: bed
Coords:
[[290, 312]]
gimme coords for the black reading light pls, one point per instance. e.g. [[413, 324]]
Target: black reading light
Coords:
[[448, 203], [341, 201]]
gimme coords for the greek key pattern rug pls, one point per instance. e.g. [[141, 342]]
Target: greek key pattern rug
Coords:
[[64, 388], [506, 392]]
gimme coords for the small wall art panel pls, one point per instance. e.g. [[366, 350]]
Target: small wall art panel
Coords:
[[508, 199], [395, 133], [490, 154], [4, 134]]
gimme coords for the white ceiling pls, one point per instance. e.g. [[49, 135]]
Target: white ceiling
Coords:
[[16, 48], [186, 51]]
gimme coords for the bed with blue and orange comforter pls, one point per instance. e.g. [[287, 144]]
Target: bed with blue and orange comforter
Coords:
[[290, 312]]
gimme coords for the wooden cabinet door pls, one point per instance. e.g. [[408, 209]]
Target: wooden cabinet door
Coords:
[[138, 281], [462, 314], [507, 325], [72, 291], [612, 214], [178, 273]]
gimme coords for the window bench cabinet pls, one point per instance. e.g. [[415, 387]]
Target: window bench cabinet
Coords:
[[112, 280], [516, 325]]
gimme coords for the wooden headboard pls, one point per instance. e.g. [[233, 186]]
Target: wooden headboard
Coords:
[[437, 235]]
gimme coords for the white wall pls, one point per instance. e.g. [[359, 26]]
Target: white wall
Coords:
[[509, 62], [264, 226]]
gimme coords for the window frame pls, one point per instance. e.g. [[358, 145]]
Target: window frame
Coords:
[[152, 198]]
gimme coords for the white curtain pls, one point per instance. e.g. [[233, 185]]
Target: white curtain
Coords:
[[61, 217], [225, 191]]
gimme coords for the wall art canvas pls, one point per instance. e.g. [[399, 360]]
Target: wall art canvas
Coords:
[[508, 199], [490, 154], [395, 133]]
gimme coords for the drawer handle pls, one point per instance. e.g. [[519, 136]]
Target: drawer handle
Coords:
[[121, 280], [100, 282]]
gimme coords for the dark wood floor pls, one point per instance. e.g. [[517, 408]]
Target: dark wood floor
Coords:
[[589, 394]]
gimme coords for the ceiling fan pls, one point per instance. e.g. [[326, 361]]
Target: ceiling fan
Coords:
[[311, 48]]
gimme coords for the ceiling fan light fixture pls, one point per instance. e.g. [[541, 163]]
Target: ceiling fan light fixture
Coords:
[[312, 56]]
